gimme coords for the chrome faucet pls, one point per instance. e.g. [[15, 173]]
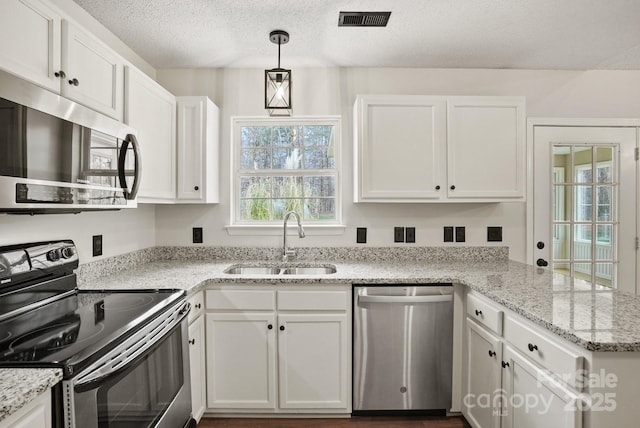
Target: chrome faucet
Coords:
[[288, 254]]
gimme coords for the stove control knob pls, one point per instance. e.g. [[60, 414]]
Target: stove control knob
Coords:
[[53, 255], [67, 252]]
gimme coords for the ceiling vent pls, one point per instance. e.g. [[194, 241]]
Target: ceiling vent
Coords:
[[363, 19]]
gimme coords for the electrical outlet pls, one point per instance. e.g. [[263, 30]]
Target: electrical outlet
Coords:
[[361, 235], [410, 235], [197, 235], [398, 234], [448, 234], [494, 234], [460, 234], [97, 245]]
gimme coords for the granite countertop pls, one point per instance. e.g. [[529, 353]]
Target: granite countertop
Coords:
[[595, 319], [20, 386]]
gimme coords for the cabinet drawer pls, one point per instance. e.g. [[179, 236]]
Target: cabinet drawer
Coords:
[[485, 313], [257, 300], [543, 350], [197, 306], [318, 300]]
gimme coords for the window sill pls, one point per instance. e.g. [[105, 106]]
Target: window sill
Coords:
[[275, 230]]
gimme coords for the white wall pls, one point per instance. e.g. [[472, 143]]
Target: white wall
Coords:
[[122, 231], [331, 91]]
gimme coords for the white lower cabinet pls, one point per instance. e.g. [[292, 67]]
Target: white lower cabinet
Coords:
[[197, 365], [534, 398], [524, 378], [482, 402], [36, 413], [279, 350]]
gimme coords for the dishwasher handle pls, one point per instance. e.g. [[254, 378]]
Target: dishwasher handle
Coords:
[[406, 299]]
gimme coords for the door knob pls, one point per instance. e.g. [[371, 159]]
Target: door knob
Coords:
[[540, 245], [542, 263]]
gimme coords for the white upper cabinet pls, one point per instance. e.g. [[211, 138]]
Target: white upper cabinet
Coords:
[[399, 148], [151, 110], [414, 148], [42, 47], [93, 71], [30, 31], [198, 136], [486, 147]]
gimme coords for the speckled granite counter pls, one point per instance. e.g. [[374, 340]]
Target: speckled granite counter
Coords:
[[598, 320], [19, 386]]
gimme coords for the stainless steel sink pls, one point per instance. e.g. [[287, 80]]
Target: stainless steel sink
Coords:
[[309, 270], [253, 270], [281, 270]]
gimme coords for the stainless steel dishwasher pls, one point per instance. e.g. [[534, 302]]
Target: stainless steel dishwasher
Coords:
[[402, 350]]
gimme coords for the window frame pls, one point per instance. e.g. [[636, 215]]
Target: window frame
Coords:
[[237, 226]]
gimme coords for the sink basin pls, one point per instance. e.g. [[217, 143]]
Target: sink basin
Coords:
[[281, 270], [253, 270], [309, 270]]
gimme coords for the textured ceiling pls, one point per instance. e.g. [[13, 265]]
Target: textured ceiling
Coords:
[[525, 34]]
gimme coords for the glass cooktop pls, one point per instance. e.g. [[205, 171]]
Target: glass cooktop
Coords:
[[75, 328]]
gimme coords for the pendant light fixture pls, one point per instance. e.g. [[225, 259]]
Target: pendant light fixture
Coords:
[[277, 82]]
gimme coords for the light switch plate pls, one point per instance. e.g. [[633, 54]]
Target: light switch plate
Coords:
[[97, 245], [398, 234], [361, 235], [448, 234], [460, 234], [410, 235], [494, 234]]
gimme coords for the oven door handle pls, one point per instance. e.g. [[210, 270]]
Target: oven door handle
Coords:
[[113, 365]]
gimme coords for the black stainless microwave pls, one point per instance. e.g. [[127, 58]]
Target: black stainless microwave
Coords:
[[59, 156]]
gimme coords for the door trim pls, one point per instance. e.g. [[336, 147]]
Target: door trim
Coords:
[[532, 122]]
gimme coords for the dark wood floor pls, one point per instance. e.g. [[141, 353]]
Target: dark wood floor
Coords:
[[354, 422]]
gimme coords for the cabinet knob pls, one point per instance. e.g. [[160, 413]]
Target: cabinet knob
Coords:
[[505, 364], [198, 305], [478, 313], [192, 341], [74, 82], [61, 74], [532, 347], [281, 328], [452, 187], [438, 187], [269, 326], [196, 188], [492, 353]]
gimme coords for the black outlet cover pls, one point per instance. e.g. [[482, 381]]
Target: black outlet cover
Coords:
[[410, 235], [398, 234], [448, 234], [494, 234], [197, 235], [460, 234], [97, 245], [361, 235]]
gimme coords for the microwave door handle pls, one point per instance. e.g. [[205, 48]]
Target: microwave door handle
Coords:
[[136, 165]]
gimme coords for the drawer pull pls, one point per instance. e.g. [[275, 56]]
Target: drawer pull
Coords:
[[478, 313], [505, 364], [492, 353], [532, 347]]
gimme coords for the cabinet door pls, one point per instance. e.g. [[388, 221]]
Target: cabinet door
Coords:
[[31, 41], [485, 147], [151, 110], [481, 402], [399, 148], [93, 72], [197, 150], [36, 413], [241, 360], [535, 400], [314, 360], [198, 368]]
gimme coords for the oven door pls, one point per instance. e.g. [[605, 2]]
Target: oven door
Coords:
[[149, 387]]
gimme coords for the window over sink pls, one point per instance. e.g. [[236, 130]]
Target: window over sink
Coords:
[[289, 164]]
